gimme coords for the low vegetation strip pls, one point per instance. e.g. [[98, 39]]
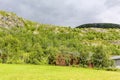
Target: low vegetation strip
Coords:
[[45, 72]]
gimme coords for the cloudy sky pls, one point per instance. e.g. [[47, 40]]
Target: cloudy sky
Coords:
[[65, 12]]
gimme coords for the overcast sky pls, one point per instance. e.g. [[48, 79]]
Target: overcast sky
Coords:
[[65, 12]]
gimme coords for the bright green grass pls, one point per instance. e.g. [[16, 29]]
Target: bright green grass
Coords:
[[41, 72]]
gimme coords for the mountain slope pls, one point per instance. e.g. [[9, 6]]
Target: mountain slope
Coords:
[[45, 44]]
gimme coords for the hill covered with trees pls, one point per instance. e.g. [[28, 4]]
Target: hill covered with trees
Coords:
[[35, 43], [99, 25]]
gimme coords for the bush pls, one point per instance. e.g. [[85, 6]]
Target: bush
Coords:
[[51, 53], [0, 60], [112, 69], [101, 58], [83, 59]]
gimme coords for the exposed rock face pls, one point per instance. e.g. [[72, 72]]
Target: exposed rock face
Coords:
[[9, 20]]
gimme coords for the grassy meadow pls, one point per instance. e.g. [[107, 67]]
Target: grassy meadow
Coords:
[[45, 72]]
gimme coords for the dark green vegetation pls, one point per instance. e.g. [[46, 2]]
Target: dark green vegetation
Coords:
[[99, 25], [47, 44]]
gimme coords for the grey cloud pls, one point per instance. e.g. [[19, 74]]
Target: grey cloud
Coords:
[[111, 14], [60, 12], [112, 3]]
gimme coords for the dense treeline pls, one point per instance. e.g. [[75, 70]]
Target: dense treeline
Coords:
[[99, 25], [47, 44]]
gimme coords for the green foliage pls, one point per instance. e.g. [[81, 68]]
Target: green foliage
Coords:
[[99, 25], [52, 53], [37, 55], [101, 57], [22, 45], [40, 44]]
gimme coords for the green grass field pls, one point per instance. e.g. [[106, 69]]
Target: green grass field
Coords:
[[45, 72]]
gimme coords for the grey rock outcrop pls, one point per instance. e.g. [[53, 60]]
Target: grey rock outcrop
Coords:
[[8, 20]]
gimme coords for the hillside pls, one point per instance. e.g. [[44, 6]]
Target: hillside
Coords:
[[48, 44], [99, 25]]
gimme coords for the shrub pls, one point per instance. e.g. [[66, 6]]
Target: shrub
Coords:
[[101, 57]]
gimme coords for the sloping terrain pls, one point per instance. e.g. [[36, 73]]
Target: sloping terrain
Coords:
[[8, 20], [44, 44]]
